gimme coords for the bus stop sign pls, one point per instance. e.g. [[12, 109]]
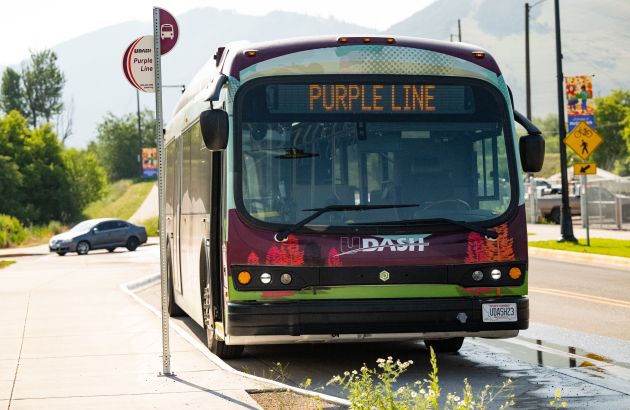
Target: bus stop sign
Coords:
[[169, 31], [583, 140]]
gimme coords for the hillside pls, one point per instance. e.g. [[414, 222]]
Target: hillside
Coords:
[[594, 38]]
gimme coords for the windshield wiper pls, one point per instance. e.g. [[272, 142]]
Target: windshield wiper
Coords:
[[467, 225], [284, 234]]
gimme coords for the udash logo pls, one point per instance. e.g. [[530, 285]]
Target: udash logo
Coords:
[[393, 243]]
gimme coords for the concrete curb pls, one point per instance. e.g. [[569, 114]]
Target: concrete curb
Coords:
[[147, 281], [616, 262]]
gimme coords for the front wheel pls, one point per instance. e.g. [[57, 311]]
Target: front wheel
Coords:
[[132, 243], [445, 345], [219, 347], [61, 253], [83, 248]]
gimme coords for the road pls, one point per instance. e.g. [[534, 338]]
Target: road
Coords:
[[579, 338]]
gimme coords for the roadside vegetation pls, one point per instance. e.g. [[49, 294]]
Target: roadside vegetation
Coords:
[[600, 246], [124, 198], [46, 186], [151, 225]]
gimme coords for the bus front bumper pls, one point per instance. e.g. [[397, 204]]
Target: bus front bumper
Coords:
[[327, 320]]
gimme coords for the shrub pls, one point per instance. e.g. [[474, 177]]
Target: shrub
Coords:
[[151, 225], [374, 389], [11, 231]]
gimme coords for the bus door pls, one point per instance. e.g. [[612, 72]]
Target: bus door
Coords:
[[177, 211]]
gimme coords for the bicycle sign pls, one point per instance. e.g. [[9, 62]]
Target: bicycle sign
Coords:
[[583, 140]]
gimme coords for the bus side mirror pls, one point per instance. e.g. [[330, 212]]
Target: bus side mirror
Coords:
[[531, 146], [532, 150], [214, 129]]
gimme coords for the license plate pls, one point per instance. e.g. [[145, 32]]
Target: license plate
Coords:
[[499, 312]]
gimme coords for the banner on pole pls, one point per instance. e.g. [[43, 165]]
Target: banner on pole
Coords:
[[149, 162], [580, 105]]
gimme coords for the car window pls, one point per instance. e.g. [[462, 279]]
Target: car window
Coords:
[[121, 224], [106, 226]]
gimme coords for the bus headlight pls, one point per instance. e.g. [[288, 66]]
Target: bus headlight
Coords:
[[496, 274], [265, 278]]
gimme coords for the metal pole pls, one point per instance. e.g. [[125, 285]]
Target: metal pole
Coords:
[[585, 212], [528, 91], [139, 131], [459, 29], [159, 134], [566, 228]]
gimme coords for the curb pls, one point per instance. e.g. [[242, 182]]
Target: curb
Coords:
[[129, 288], [617, 262]]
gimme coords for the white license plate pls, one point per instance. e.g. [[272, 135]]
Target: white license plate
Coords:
[[498, 312]]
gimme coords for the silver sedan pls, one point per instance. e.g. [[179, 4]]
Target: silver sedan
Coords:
[[98, 234]]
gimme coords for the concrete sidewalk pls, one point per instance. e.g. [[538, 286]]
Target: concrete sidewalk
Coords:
[[542, 232], [71, 338]]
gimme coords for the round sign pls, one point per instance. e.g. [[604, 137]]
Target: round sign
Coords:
[[138, 64], [169, 32]]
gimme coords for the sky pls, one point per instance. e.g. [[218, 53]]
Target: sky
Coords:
[[40, 24]]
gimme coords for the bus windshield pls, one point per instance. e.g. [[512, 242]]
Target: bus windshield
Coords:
[[441, 148]]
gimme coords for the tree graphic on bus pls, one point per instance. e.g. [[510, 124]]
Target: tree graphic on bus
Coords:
[[482, 250]]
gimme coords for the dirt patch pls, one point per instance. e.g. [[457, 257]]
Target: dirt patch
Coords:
[[286, 400]]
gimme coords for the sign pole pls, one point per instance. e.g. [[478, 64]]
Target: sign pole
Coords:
[[159, 133], [585, 213]]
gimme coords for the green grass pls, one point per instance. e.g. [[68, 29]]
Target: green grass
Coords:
[[124, 198], [151, 226], [4, 264], [600, 246]]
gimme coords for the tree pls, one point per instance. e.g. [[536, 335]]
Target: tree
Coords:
[[86, 177], [43, 85], [12, 127], [612, 121], [117, 143], [11, 92]]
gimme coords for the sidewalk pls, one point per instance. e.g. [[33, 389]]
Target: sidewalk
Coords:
[[542, 232], [72, 339]]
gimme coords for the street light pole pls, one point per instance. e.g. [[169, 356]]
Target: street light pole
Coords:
[[459, 29], [139, 131], [528, 91], [566, 228]]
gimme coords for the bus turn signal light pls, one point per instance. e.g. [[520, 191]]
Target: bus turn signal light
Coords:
[[250, 53], [244, 277], [515, 273], [479, 54]]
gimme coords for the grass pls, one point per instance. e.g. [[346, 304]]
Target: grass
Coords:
[[600, 246], [124, 198], [151, 226], [4, 264]]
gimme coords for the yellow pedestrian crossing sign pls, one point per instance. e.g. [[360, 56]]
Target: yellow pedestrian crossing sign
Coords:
[[583, 140], [585, 168]]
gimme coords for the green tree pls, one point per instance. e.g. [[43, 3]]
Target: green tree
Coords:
[[12, 92], [612, 121], [11, 179], [87, 178], [117, 143], [43, 84]]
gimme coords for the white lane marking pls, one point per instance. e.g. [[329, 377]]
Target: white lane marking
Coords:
[[581, 296]]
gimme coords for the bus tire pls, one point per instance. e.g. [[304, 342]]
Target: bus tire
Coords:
[[173, 309], [219, 348], [445, 345]]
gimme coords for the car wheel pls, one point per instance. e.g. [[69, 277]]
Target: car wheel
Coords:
[[554, 216], [110, 250], [83, 248], [132, 243], [445, 345], [61, 253]]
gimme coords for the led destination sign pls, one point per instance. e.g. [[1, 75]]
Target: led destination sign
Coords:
[[370, 98]]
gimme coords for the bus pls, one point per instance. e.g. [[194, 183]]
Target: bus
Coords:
[[348, 189]]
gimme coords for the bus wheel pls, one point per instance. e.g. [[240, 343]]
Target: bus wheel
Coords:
[[445, 345], [173, 309], [216, 346]]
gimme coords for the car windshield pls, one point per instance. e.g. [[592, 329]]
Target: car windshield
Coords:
[[304, 147], [83, 226]]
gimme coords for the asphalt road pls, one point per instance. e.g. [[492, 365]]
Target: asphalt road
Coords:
[[579, 339]]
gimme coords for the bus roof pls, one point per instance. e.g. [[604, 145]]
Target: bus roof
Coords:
[[233, 58]]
